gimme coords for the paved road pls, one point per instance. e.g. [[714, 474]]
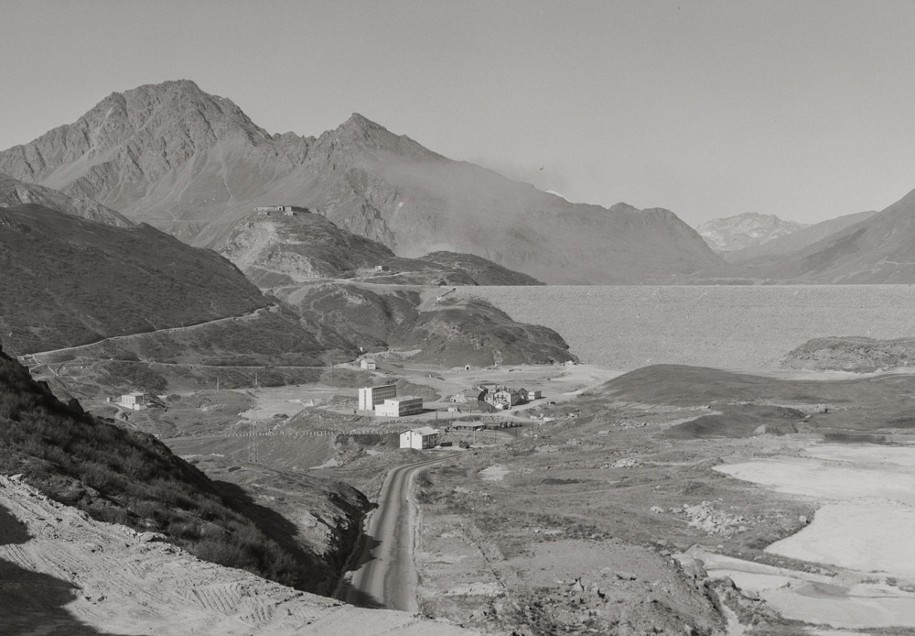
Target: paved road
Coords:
[[387, 576]]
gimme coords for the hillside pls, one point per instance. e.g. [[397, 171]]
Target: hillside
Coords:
[[798, 239], [126, 477], [856, 354], [70, 574], [730, 403], [69, 281], [14, 193], [736, 233], [451, 332], [275, 250], [879, 249], [194, 164]]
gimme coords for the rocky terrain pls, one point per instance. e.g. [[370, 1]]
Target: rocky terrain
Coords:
[[736, 233], [855, 354], [15, 193], [193, 164]]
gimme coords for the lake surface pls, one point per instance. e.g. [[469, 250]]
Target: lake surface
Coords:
[[730, 327]]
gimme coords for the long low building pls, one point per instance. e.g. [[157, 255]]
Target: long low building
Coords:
[[400, 406], [419, 438]]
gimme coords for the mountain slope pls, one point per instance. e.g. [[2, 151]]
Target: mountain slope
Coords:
[[450, 331], [735, 233], [194, 164], [68, 281], [14, 193], [127, 477], [798, 239], [879, 249], [275, 249]]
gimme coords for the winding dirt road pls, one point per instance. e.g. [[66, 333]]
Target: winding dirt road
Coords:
[[387, 576]]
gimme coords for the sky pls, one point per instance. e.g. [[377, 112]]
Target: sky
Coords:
[[801, 109]]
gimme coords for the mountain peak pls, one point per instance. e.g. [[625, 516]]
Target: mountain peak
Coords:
[[357, 120], [361, 128], [360, 132], [132, 137], [749, 229]]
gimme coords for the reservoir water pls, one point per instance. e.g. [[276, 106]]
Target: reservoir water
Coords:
[[730, 327]]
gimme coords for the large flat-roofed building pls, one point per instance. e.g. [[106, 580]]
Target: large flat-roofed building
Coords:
[[399, 407], [136, 401], [370, 396], [419, 438]]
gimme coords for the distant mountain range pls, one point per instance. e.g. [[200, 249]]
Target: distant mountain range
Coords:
[[193, 164], [878, 249], [746, 230], [798, 239]]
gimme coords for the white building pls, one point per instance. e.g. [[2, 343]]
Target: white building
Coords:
[[370, 396], [399, 407], [419, 438], [136, 401], [368, 365]]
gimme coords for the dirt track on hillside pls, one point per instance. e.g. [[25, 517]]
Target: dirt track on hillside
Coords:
[[61, 572], [247, 316]]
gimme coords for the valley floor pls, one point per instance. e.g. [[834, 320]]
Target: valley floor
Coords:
[[644, 507]]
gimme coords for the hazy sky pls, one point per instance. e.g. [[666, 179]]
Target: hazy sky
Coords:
[[799, 108]]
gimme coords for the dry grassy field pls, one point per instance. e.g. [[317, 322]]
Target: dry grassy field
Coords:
[[731, 327]]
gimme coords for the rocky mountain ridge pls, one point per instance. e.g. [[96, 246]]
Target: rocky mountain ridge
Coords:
[[193, 164], [734, 233], [798, 239], [15, 193], [878, 249]]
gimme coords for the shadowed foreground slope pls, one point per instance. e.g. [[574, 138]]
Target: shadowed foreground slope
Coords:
[[130, 478]]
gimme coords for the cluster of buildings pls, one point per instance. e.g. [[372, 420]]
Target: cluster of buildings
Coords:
[[384, 401], [497, 396]]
